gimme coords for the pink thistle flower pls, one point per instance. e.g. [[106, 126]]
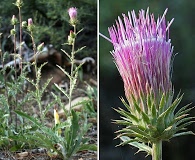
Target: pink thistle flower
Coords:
[[143, 56], [142, 53], [73, 15], [30, 26], [30, 22], [14, 20], [72, 12]]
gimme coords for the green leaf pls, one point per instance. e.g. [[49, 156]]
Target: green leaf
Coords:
[[184, 110], [162, 103], [135, 105], [145, 117], [183, 134], [46, 130], [181, 127], [66, 53], [80, 49], [127, 114], [66, 73], [184, 120], [32, 119], [140, 146], [89, 147], [62, 90], [126, 105]]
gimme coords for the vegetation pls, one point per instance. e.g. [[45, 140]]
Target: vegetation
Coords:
[[23, 111]]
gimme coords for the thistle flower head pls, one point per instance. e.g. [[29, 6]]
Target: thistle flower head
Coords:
[[40, 47], [143, 55], [14, 20], [30, 26], [72, 12], [142, 52], [73, 15]]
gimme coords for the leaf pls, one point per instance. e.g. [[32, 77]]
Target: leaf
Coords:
[[62, 90], [77, 68], [89, 147], [66, 53], [127, 114], [183, 134], [184, 110], [140, 146], [136, 106], [46, 130], [66, 73], [126, 105], [80, 49], [162, 103]]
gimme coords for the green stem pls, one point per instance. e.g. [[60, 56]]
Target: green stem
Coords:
[[20, 46], [157, 150], [71, 72]]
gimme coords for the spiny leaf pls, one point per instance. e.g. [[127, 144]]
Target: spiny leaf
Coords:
[[184, 110], [80, 49], [62, 90], [66, 73], [140, 146], [126, 114], [126, 105], [136, 106], [183, 133], [181, 127], [145, 118], [184, 120], [133, 135], [66, 53], [154, 113], [162, 102], [166, 114], [122, 122], [90, 147], [77, 68]]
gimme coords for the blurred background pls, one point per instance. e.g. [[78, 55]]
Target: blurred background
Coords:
[[52, 23], [182, 34]]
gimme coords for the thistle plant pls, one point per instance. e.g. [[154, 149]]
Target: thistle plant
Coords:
[[67, 137], [21, 129], [143, 55]]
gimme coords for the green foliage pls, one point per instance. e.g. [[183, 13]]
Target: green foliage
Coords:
[[21, 130], [143, 128], [65, 145], [52, 21]]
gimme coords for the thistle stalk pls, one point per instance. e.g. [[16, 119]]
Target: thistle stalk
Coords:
[[71, 70], [71, 41], [157, 150]]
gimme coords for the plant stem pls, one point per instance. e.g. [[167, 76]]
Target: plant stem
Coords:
[[20, 46], [71, 72], [157, 150], [15, 70]]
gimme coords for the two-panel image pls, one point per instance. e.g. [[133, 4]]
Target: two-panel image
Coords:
[[97, 80]]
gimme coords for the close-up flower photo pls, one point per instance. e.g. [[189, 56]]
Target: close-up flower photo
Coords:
[[149, 111]]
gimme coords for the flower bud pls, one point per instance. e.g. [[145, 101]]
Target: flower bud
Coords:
[[30, 25], [73, 15], [40, 47], [14, 20], [24, 24], [19, 3], [13, 31], [71, 37]]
